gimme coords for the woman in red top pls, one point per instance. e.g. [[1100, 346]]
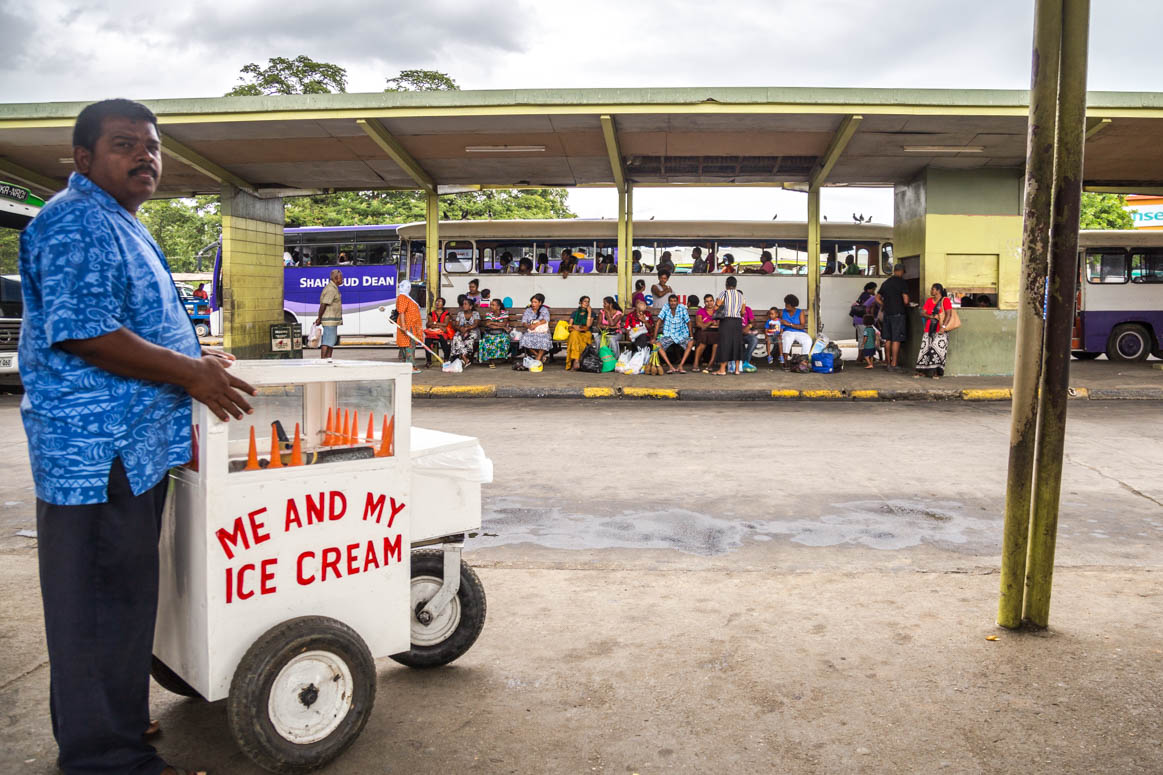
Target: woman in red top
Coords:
[[935, 340], [438, 332]]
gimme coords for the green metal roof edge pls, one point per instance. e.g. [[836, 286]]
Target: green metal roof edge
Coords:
[[741, 95]]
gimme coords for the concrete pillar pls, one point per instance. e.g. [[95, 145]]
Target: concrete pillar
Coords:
[[252, 271], [963, 229]]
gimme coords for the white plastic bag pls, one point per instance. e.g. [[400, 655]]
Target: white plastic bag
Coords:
[[453, 367], [631, 361], [315, 336], [818, 346], [531, 363]]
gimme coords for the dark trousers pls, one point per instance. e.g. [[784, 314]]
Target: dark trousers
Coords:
[[99, 582]]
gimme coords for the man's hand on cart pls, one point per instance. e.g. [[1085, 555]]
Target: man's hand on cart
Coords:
[[215, 387], [218, 352], [126, 354]]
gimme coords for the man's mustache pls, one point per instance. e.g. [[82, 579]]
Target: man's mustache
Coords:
[[144, 168]]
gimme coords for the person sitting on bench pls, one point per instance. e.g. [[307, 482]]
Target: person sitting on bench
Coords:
[[794, 325]]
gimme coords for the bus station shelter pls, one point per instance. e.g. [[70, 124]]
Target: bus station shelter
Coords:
[[954, 158]]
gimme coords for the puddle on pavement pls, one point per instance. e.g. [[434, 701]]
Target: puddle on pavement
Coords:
[[877, 524]]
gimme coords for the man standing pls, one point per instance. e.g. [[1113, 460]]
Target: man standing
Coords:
[[894, 300], [107, 413], [330, 314]]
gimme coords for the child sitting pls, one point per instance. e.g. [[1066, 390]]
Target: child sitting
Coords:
[[869, 341], [771, 330]]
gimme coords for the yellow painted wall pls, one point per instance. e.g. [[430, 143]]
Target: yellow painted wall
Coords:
[[962, 235], [252, 273]]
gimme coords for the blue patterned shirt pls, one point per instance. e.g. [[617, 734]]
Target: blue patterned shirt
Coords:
[[676, 325], [88, 268]]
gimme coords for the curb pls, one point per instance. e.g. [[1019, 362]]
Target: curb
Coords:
[[969, 395]]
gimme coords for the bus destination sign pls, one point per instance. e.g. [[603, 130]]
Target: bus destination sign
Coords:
[[15, 193]]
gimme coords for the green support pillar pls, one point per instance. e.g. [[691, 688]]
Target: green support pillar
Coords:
[[625, 265], [813, 299], [432, 246], [1028, 349], [252, 272], [630, 230], [1071, 135]]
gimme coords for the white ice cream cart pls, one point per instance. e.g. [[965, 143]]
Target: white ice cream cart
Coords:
[[307, 540]]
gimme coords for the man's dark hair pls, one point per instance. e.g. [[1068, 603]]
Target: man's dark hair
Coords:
[[731, 282], [87, 130], [792, 300]]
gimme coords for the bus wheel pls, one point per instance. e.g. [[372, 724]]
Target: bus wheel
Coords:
[[1082, 355], [1128, 342]]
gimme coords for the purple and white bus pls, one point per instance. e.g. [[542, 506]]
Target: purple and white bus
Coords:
[[1120, 295], [368, 256]]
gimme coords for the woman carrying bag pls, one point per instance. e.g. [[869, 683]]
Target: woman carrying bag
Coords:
[[940, 318]]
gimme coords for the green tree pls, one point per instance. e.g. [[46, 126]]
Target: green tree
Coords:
[[182, 228], [301, 75], [9, 251], [1105, 211], [421, 80]]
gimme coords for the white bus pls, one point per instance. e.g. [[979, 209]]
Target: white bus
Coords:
[[18, 206], [851, 255], [1120, 295]]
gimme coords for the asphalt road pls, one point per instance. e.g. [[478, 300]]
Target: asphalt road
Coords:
[[738, 587]]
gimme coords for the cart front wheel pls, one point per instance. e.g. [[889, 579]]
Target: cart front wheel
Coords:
[[452, 631], [301, 694], [169, 680]]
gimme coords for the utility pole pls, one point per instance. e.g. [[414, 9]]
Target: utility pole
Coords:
[[1053, 190]]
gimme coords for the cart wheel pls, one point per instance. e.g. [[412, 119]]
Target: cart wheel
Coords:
[[456, 628], [169, 680], [301, 694], [202, 329]]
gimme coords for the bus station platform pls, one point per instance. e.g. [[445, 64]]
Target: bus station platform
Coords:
[[1093, 380]]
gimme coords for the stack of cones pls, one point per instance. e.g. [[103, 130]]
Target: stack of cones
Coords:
[[388, 439]]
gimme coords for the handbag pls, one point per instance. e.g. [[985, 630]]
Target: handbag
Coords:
[[561, 331], [954, 320]]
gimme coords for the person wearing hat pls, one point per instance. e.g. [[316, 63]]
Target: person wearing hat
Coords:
[[409, 318]]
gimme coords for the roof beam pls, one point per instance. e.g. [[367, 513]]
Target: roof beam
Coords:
[[191, 158], [30, 177], [610, 133], [839, 142], [1145, 189], [391, 146], [1096, 125]]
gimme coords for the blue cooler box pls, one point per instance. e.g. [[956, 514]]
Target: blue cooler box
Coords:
[[822, 363]]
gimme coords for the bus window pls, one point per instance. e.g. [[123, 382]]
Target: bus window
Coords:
[[852, 259], [491, 256], [346, 255], [745, 256], [321, 255], [375, 254], [458, 256], [886, 260], [1106, 267], [1147, 267], [791, 257]]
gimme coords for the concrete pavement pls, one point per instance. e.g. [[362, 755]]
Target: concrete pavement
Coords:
[[692, 588]]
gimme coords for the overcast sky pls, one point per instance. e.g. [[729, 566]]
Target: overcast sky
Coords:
[[90, 49]]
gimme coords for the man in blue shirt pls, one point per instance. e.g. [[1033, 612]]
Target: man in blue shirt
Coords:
[[675, 323], [109, 362]]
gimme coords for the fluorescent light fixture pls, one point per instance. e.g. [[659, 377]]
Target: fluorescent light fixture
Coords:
[[65, 160], [503, 148], [943, 149]]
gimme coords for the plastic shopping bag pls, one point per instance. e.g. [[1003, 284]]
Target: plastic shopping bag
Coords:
[[532, 364], [819, 345], [315, 336], [561, 331], [453, 367]]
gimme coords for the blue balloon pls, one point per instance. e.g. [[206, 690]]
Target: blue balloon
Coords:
[[508, 302]]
